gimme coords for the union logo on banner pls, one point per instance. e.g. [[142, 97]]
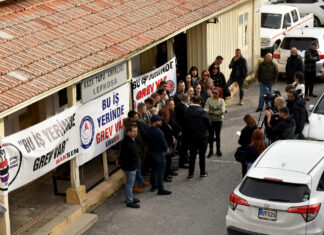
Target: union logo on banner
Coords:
[[87, 130]]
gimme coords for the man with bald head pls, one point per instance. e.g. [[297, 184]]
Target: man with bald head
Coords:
[[294, 64], [267, 75]]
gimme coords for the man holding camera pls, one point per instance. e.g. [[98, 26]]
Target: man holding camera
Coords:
[[284, 128], [272, 115], [297, 108], [267, 75]]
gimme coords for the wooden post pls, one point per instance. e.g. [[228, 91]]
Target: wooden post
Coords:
[[4, 221], [77, 192], [129, 79], [170, 49], [105, 165]]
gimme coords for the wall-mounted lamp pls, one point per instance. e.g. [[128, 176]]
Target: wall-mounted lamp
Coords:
[[214, 21]]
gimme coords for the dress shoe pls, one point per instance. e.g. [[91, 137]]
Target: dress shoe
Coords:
[[144, 184], [203, 175], [258, 109], [167, 179], [185, 166], [132, 205], [210, 154], [219, 153], [135, 200], [173, 173], [164, 192], [312, 95], [138, 190]]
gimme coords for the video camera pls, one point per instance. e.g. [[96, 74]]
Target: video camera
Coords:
[[269, 98]]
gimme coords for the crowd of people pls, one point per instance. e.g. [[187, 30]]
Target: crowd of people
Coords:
[[192, 119]]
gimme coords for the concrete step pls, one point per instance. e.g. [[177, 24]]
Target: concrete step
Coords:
[[80, 225]]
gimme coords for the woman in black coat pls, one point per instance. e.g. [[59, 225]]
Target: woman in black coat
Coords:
[[167, 131], [219, 80], [246, 136]]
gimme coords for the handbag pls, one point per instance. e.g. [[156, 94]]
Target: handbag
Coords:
[[240, 154]]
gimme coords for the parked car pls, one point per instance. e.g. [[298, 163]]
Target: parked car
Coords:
[[276, 21], [301, 39], [315, 129], [307, 6], [282, 193]]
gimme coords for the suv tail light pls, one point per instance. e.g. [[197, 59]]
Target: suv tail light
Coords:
[[308, 212], [276, 54], [321, 57], [322, 6], [234, 200]]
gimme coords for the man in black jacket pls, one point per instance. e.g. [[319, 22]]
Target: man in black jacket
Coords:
[[239, 72], [297, 108], [294, 64], [157, 148], [180, 111], [198, 122], [128, 160]]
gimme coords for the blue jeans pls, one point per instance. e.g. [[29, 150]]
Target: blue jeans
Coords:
[[130, 179], [158, 169], [263, 89], [139, 176]]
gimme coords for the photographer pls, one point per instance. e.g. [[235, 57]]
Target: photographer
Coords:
[[272, 114], [285, 127], [297, 108]]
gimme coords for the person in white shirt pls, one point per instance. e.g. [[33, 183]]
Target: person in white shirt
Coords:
[[299, 83]]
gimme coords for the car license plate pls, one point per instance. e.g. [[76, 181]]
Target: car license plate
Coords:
[[267, 214]]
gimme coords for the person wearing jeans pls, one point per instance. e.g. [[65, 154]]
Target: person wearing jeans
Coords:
[[157, 149], [128, 160], [267, 74]]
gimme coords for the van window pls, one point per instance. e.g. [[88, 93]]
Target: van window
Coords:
[[287, 20], [274, 191], [294, 15], [301, 44], [301, 1], [271, 21]]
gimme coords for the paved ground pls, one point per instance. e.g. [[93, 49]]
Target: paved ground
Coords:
[[197, 206]]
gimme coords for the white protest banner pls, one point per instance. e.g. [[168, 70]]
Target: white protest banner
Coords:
[[143, 86], [35, 151], [102, 122]]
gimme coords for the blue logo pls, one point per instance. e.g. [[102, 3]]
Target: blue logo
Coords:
[[87, 130]]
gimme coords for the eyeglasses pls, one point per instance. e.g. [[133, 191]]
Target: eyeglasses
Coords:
[[215, 68], [214, 93], [205, 74]]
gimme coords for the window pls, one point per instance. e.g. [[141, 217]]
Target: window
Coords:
[[301, 1], [320, 186], [294, 15], [63, 100], [301, 44], [287, 20], [78, 90], [246, 17], [319, 109], [271, 21], [274, 191], [240, 19]]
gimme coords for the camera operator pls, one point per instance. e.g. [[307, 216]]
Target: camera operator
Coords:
[[297, 108], [272, 114], [284, 128]]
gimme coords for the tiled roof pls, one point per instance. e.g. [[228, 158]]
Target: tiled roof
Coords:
[[50, 42]]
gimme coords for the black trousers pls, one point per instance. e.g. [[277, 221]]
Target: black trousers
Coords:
[[168, 158], [183, 154], [309, 82], [244, 169], [240, 83], [215, 130], [197, 145]]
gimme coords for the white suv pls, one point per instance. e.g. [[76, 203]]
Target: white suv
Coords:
[[301, 39], [307, 6], [282, 193]]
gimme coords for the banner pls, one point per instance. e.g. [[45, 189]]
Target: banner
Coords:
[[35, 151], [143, 86], [103, 82], [101, 122]]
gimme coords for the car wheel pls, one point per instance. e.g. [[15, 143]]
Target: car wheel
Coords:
[[317, 22]]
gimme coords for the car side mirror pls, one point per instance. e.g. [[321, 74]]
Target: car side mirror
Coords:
[[311, 107]]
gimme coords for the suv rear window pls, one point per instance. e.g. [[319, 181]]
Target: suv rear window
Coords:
[[301, 44], [274, 191]]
